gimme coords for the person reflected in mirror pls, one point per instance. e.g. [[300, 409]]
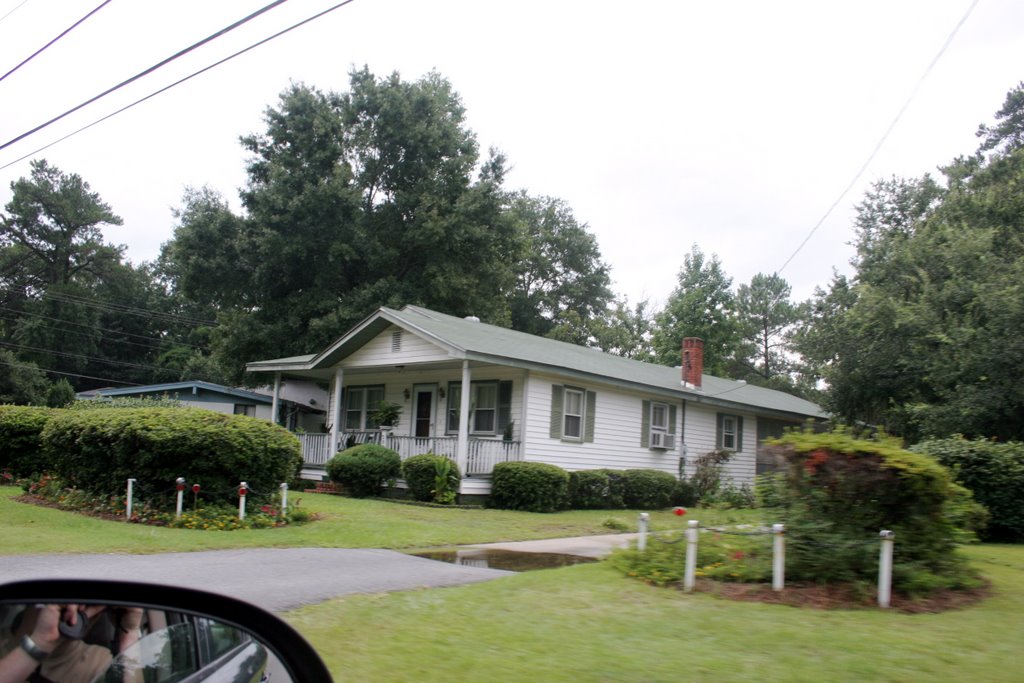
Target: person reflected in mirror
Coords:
[[45, 643]]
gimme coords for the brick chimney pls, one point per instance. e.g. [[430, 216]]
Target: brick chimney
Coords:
[[693, 361]]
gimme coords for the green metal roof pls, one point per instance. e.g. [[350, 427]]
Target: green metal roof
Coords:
[[477, 341]]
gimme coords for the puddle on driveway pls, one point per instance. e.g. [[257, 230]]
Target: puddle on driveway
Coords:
[[509, 560]]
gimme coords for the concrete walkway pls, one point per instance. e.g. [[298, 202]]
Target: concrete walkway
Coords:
[[585, 546]]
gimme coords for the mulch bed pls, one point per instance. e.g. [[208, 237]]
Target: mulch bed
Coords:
[[43, 502], [842, 596]]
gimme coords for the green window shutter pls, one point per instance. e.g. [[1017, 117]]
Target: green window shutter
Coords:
[[590, 408], [504, 404], [557, 392], [718, 431], [671, 419], [739, 434], [645, 424]]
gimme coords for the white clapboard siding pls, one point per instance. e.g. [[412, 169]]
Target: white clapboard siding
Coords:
[[387, 349]]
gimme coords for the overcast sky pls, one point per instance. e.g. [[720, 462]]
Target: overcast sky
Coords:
[[731, 125]]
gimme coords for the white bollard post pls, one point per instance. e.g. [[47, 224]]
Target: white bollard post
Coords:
[[284, 500], [690, 577], [641, 541], [128, 507], [778, 557], [243, 488], [885, 568], [180, 484]]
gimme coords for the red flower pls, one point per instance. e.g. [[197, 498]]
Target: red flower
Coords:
[[815, 460], [738, 555]]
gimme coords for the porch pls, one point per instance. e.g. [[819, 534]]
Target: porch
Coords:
[[482, 454]]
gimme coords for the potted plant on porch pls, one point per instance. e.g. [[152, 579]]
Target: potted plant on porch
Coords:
[[386, 415]]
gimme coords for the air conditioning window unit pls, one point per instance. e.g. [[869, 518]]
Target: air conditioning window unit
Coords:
[[662, 440]]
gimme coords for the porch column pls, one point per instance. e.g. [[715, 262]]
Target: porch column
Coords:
[[275, 406], [336, 413], [462, 454]]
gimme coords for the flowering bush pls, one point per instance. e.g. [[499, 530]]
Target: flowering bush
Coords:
[[206, 517], [722, 557]]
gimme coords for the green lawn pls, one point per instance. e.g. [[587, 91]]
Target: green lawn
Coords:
[[345, 523], [582, 623], [588, 623]]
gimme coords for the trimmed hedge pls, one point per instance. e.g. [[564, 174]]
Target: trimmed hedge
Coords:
[[20, 446], [647, 489], [994, 472], [98, 450], [529, 486], [841, 491], [364, 470], [420, 474]]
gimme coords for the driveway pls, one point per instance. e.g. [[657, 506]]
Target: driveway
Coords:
[[280, 579], [277, 579]]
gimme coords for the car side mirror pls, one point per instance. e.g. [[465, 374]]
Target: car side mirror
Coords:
[[125, 631]]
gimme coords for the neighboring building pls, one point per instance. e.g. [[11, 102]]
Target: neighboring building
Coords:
[[299, 410], [482, 394]]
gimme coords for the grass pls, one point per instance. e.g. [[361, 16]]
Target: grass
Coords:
[[588, 623], [582, 623], [345, 523]]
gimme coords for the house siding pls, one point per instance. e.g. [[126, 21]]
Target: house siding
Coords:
[[380, 351], [616, 442], [702, 437]]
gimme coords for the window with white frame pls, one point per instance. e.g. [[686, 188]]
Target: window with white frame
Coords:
[[360, 404], [245, 409], [730, 432], [572, 414], [489, 406], [659, 417]]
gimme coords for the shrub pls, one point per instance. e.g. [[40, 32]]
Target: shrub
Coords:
[[421, 476], [723, 557], [731, 496], [97, 450], [684, 493], [994, 472], [364, 470], [590, 490], [841, 491], [647, 489], [530, 486], [770, 490], [20, 445], [707, 476]]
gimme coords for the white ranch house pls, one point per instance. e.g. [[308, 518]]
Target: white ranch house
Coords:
[[481, 394]]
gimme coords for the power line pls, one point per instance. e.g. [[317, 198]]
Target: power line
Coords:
[[65, 32], [13, 10], [112, 307], [70, 374], [95, 327], [148, 71], [94, 359], [885, 136], [179, 82], [102, 338]]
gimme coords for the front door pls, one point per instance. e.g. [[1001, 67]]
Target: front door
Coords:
[[423, 410]]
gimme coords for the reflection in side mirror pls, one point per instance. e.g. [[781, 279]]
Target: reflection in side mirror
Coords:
[[70, 631]]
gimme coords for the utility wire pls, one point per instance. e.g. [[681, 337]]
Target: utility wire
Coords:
[[95, 327], [108, 361], [105, 340], [112, 307], [71, 374], [885, 136], [148, 71], [179, 82], [66, 31], [13, 10]]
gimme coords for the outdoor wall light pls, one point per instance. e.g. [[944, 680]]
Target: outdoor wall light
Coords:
[[440, 392], [407, 394]]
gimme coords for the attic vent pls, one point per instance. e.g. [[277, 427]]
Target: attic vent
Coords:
[[396, 341]]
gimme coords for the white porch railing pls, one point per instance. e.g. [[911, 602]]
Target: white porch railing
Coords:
[[483, 453]]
